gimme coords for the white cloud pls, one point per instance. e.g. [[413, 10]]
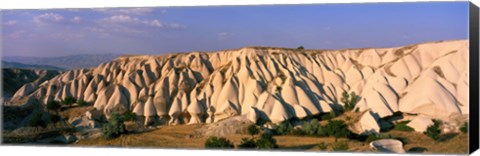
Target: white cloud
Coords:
[[223, 35], [47, 18], [176, 26], [121, 19], [129, 20], [17, 34], [11, 23], [156, 23], [76, 19], [66, 36], [126, 11]]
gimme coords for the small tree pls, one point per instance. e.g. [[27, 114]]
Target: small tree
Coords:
[[218, 142], [433, 131], [282, 128], [311, 128], [300, 48], [81, 102], [130, 116], [53, 118], [69, 100], [329, 116], [402, 126], [36, 120], [53, 105], [252, 130], [114, 127], [266, 141], [337, 129], [247, 143], [349, 100]]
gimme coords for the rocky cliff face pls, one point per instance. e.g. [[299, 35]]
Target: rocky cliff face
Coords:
[[271, 84]]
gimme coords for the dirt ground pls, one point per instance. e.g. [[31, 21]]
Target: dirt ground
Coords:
[[187, 137]]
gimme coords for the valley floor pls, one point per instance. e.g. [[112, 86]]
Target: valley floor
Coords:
[[187, 137]]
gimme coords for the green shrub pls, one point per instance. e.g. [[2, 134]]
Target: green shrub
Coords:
[[36, 120], [218, 142], [129, 116], [337, 129], [313, 128], [81, 102], [321, 132], [323, 146], [310, 128], [253, 130], [464, 127], [53, 118], [340, 146], [282, 128], [433, 131], [349, 101], [300, 48], [373, 137], [69, 100], [329, 116], [114, 127], [402, 126], [247, 143], [298, 131], [266, 141], [53, 105]]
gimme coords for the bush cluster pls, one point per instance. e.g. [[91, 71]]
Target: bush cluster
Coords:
[[300, 48], [69, 100], [433, 131], [402, 126], [253, 130], [266, 141], [337, 129], [218, 142], [283, 128], [329, 116], [36, 120], [312, 128], [247, 143], [53, 105], [114, 127], [334, 128], [129, 116], [81, 102], [53, 118], [373, 137]]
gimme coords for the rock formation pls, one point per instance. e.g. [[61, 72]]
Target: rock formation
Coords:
[[388, 145], [272, 84]]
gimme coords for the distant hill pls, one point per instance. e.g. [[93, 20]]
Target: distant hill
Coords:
[[17, 65], [65, 62], [13, 79]]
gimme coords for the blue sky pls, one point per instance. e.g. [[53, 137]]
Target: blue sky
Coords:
[[162, 30]]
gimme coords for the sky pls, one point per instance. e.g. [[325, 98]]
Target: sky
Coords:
[[161, 30]]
